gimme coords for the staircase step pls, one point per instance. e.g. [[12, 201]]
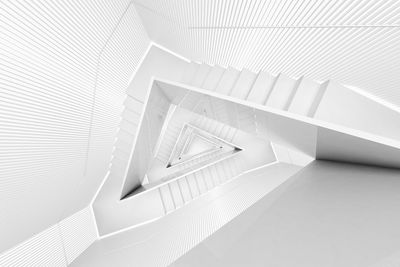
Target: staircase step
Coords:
[[261, 87], [126, 137], [224, 132], [318, 98], [304, 97], [243, 84], [186, 181], [227, 81], [205, 124], [213, 126], [208, 179], [121, 154], [201, 75], [129, 126], [118, 165], [176, 194], [215, 175], [213, 78], [236, 165], [231, 134], [193, 185], [166, 198], [219, 129], [185, 190], [225, 171], [190, 72], [228, 169], [133, 104], [123, 146], [282, 92], [221, 173], [201, 182], [131, 116]]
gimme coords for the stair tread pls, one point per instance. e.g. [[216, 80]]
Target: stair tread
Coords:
[[133, 104], [243, 84], [201, 183], [227, 81], [261, 87], [213, 77], [166, 198], [281, 92], [201, 75], [176, 194], [304, 97], [185, 190]]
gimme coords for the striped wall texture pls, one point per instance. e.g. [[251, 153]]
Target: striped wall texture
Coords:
[[353, 42], [64, 69], [58, 245], [180, 231]]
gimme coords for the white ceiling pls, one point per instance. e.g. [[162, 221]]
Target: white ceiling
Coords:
[[354, 42]]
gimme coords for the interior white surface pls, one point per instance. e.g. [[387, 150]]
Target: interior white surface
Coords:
[[355, 43], [75, 78], [330, 214], [167, 238]]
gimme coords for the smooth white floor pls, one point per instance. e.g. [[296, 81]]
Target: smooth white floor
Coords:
[[163, 241], [330, 215]]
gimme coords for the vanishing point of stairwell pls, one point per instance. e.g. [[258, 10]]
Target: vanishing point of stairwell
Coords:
[[178, 190]]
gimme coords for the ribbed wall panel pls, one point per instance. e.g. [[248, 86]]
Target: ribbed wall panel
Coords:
[[58, 245], [64, 68], [353, 42], [44, 249], [117, 63], [78, 233]]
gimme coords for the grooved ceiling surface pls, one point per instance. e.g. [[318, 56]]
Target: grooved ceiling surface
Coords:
[[64, 69], [356, 42]]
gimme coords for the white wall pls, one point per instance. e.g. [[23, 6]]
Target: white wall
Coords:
[[343, 106], [354, 43], [329, 214], [58, 245], [111, 213], [178, 232], [64, 69]]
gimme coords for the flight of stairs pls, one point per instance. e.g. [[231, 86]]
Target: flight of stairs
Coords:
[[180, 191], [216, 128], [300, 96], [197, 163], [169, 139], [126, 136]]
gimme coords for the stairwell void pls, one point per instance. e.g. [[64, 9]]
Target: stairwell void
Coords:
[[232, 106]]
